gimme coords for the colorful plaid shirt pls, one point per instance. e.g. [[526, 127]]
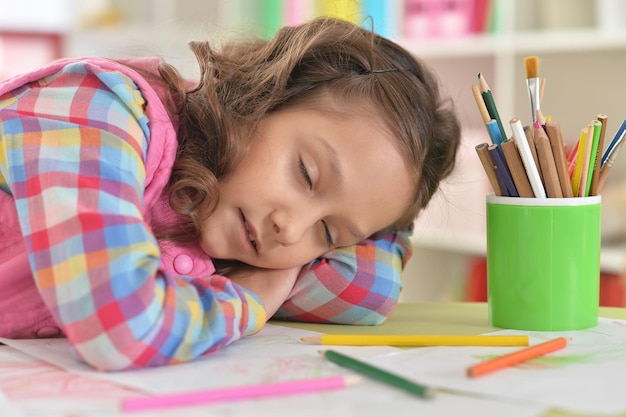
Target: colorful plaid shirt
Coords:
[[73, 154]]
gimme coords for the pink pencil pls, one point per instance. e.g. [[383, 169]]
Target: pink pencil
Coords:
[[244, 392]]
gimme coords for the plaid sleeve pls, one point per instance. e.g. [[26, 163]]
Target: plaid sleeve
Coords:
[[354, 285], [72, 151]]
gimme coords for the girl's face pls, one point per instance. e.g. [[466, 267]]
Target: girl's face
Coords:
[[311, 181]]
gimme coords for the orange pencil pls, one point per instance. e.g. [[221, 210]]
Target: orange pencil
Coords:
[[516, 357]]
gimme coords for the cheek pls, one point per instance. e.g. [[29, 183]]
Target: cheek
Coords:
[[253, 175], [311, 251]]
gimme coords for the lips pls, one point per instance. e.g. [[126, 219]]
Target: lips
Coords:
[[249, 231]]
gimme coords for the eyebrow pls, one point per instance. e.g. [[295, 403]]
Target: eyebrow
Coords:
[[335, 169]]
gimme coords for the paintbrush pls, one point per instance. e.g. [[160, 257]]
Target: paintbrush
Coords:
[[531, 64]]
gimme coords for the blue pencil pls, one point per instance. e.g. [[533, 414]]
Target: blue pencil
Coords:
[[505, 179], [616, 139], [494, 132]]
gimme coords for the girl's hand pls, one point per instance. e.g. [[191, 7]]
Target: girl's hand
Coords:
[[273, 286]]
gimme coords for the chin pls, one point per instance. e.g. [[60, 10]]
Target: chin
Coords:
[[210, 252], [268, 265]]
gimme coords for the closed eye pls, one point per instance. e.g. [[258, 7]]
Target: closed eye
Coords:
[[309, 183], [329, 238], [305, 174]]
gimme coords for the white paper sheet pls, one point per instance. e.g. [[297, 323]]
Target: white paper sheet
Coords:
[[273, 354], [7, 408], [39, 388], [588, 375], [276, 353]]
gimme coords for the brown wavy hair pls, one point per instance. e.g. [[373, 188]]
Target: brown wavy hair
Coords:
[[244, 81]]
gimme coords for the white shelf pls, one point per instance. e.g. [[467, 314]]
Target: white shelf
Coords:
[[39, 16], [461, 47], [526, 42], [579, 40]]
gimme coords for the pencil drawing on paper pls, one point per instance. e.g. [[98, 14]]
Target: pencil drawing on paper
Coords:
[[24, 377]]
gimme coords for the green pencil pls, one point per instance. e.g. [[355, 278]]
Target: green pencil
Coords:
[[597, 129], [378, 374], [490, 103]]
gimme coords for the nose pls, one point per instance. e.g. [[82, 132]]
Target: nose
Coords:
[[289, 228]]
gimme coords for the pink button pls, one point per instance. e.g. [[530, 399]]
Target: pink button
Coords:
[[49, 331], [183, 264]]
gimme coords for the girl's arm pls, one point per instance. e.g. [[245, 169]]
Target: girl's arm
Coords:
[[354, 285], [273, 286], [72, 149]]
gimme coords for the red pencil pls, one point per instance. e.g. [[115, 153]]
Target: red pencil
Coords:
[[571, 159], [516, 357]]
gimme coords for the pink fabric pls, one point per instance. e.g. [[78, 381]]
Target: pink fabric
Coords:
[[22, 310]]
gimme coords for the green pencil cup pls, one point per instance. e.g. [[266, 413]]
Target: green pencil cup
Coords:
[[543, 262]]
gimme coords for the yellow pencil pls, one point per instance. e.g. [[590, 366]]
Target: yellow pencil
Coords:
[[415, 340], [578, 167]]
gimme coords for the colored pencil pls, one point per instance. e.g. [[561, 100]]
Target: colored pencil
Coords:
[[604, 172], [602, 118], [480, 103], [616, 139], [547, 163], [586, 135], [505, 179], [586, 158], [529, 133], [597, 131], [516, 357], [494, 132], [571, 159], [378, 374], [244, 392], [415, 340], [553, 130], [490, 103], [527, 158], [516, 166], [488, 165]]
